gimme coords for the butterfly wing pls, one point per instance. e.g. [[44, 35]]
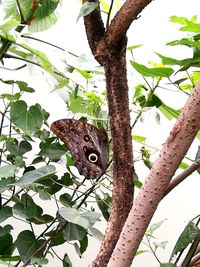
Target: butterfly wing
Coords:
[[88, 145]]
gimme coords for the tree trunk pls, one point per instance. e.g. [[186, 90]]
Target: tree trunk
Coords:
[[156, 183]]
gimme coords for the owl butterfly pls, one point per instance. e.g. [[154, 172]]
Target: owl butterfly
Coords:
[[88, 145]]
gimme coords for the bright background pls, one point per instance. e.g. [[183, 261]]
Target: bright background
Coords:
[[152, 30]]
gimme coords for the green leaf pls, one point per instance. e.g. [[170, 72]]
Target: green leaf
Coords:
[[153, 227], [104, 205], [9, 25], [130, 48], [83, 244], [23, 86], [41, 56], [91, 216], [32, 176], [83, 73], [5, 213], [66, 261], [139, 138], [96, 233], [52, 151], [169, 112], [73, 232], [27, 208], [6, 242], [18, 149], [86, 9], [183, 165], [152, 72], [6, 183], [27, 244], [188, 235], [29, 120], [73, 215], [189, 25], [8, 170]]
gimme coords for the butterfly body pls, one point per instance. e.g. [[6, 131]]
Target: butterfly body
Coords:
[[88, 145]]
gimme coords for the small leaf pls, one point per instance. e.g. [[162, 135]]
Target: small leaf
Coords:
[[86, 9], [139, 138], [154, 227], [183, 165], [96, 233], [66, 261], [23, 86]]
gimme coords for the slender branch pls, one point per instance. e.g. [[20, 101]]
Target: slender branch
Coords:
[[182, 176], [109, 14], [196, 258], [20, 12], [18, 68], [32, 62], [42, 41]]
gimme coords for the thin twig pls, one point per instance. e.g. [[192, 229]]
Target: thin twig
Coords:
[[109, 14]]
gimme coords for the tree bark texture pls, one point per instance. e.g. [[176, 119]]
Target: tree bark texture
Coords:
[[156, 183], [109, 49]]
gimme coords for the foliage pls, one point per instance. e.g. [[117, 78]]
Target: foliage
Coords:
[[30, 172]]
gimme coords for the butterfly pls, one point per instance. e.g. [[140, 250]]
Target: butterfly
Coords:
[[88, 145]]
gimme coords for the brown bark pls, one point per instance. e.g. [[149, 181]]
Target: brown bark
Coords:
[[109, 49], [156, 183], [117, 92]]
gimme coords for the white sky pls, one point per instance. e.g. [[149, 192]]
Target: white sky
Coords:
[[153, 30]]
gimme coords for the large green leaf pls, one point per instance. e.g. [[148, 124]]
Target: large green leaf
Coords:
[[41, 56], [28, 119], [8, 170], [190, 232], [32, 176], [6, 241], [53, 151], [27, 244], [152, 72], [74, 216]]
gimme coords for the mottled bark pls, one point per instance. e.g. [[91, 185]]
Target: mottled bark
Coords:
[[109, 49], [156, 183]]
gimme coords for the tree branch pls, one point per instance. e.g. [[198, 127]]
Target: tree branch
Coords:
[[94, 28], [181, 177], [123, 19], [156, 183]]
